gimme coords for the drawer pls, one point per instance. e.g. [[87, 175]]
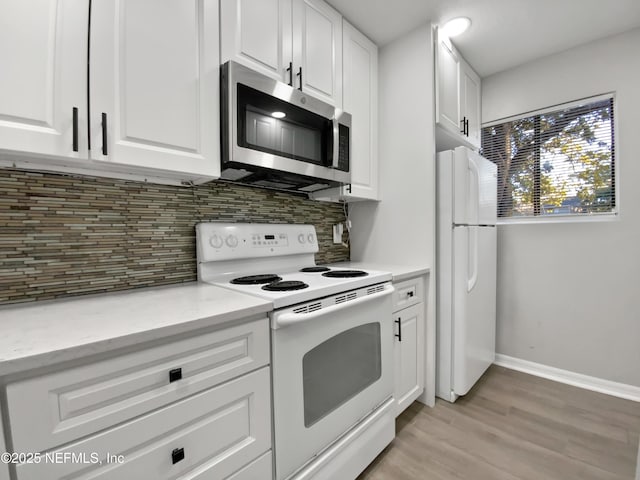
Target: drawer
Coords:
[[57, 408], [409, 292], [260, 469], [208, 436]]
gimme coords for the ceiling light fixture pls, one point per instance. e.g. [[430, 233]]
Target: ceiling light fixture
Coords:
[[278, 114], [456, 26]]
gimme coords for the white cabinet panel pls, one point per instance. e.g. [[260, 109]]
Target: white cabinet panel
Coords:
[[360, 94], [470, 102], [206, 436], [43, 53], [447, 86], [407, 293], [155, 78], [257, 33], [409, 355], [4, 468], [260, 469], [458, 115], [317, 50], [53, 409]]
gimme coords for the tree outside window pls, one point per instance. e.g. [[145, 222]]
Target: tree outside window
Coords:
[[559, 162]]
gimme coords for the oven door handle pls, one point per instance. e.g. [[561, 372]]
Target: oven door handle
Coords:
[[291, 318]]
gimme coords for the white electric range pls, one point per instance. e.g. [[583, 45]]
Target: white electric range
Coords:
[[332, 345]]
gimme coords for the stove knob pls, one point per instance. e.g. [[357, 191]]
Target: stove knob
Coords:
[[232, 241], [215, 241], [310, 238], [301, 238]]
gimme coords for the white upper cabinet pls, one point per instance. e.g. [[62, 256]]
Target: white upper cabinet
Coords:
[[470, 102], [43, 53], [257, 33], [151, 85], [298, 42], [360, 95], [154, 85], [317, 50], [458, 115]]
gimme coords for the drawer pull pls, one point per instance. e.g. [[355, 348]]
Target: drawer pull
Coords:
[[410, 294], [177, 455], [175, 375]]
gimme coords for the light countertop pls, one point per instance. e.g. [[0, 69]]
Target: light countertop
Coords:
[[398, 272], [44, 333]]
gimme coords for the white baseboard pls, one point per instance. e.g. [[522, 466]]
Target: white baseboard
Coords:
[[622, 390]]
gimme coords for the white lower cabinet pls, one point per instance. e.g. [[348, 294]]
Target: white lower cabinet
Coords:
[[4, 468], [210, 435], [409, 318], [198, 408]]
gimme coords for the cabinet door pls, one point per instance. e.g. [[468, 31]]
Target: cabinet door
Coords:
[[4, 468], [409, 355], [155, 80], [447, 86], [257, 33], [317, 50], [470, 102], [360, 82], [43, 53]]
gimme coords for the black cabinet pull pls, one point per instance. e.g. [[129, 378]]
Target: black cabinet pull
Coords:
[[464, 122], [299, 74], [466, 126], [175, 375], [410, 294], [290, 70], [75, 129], [104, 134], [176, 455], [399, 334]]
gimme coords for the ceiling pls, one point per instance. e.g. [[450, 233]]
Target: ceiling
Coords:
[[503, 33]]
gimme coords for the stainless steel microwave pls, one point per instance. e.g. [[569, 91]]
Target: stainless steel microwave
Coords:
[[276, 136]]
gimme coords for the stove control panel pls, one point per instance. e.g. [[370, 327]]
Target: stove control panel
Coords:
[[227, 241]]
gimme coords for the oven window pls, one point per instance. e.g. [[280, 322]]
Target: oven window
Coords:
[[338, 369], [270, 125]]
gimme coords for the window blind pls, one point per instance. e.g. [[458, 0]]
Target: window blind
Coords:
[[555, 162]]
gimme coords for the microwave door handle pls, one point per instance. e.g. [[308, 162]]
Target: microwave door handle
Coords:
[[292, 318], [335, 143]]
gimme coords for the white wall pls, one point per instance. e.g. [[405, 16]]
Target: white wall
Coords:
[[401, 228], [569, 293]]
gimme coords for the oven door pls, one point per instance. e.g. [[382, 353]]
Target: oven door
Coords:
[[332, 367]]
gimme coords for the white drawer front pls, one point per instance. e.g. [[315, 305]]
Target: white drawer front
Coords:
[[409, 292], [261, 469], [54, 409], [218, 431]]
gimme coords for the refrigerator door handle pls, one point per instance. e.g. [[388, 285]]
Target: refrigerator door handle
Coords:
[[474, 193], [472, 277]]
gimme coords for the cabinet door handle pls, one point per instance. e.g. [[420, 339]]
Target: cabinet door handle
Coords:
[[104, 134], [176, 455], [466, 126], [75, 129], [399, 334], [464, 122], [410, 294], [290, 70], [175, 375], [299, 74]]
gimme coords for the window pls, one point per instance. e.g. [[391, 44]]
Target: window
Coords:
[[560, 161]]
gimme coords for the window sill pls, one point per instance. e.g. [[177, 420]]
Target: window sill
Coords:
[[598, 217]]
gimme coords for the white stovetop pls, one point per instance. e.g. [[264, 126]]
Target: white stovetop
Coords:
[[398, 272], [44, 333], [319, 286]]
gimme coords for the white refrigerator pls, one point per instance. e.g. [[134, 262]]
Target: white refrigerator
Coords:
[[466, 270]]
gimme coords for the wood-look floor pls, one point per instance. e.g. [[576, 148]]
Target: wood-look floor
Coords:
[[513, 426]]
